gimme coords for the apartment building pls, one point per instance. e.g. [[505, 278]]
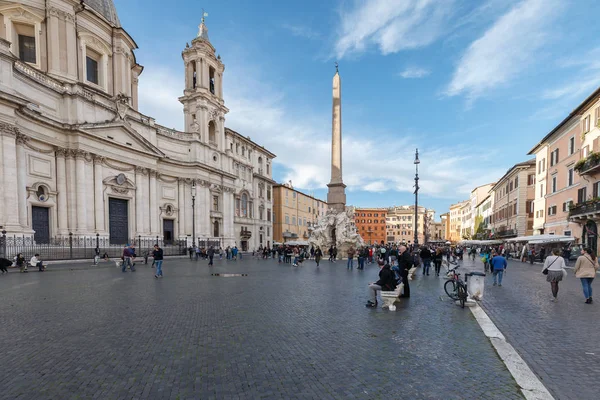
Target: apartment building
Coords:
[[470, 222], [446, 225], [558, 183], [456, 218], [483, 217], [513, 196], [569, 165], [401, 224], [371, 224], [294, 213]]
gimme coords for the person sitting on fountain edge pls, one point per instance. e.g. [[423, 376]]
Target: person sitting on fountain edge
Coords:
[[387, 282]]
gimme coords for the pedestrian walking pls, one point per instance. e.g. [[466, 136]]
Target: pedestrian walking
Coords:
[[211, 255], [350, 254], [158, 260], [437, 261], [96, 255], [554, 269], [318, 255], [499, 265], [426, 257], [128, 257], [585, 269]]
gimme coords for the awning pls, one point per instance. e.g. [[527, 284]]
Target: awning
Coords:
[[538, 239], [297, 243], [479, 242], [560, 239]]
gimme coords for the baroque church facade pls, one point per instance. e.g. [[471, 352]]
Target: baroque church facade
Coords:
[[78, 157]]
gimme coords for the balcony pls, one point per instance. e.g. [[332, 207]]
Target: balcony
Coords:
[[245, 234], [587, 210], [588, 165], [505, 234]]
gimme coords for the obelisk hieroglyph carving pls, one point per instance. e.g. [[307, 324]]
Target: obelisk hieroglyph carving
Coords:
[[336, 196]]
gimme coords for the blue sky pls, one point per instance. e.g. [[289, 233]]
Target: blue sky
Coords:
[[473, 84]]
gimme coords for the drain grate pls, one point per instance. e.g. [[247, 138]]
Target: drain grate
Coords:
[[228, 275]]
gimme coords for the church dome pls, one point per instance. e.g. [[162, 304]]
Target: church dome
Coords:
[[106, 8]]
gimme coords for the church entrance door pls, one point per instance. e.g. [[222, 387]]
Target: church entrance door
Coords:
[[40, 223], [118, 221]]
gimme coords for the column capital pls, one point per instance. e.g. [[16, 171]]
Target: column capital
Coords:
[[61, 152], [21, 138], [98, 160], [8, 129], [153, 173], [140, 170], [77, 153]]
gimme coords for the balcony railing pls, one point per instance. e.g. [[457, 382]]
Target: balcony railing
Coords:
[[245, 234], [506, 233], [588, 165], [588, 209]]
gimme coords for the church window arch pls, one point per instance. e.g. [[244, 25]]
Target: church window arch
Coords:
[[212, 136], [244, 205]]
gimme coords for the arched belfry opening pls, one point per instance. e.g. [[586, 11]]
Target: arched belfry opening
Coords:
[[212, 135], [211, 77]]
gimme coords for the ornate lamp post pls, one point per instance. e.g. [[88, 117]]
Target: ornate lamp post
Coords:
[[194, 213], [417, 162]]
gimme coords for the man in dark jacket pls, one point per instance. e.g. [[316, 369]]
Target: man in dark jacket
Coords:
[[211, 255], [386, 282], [426, 257], [157, 254], [405, 262]]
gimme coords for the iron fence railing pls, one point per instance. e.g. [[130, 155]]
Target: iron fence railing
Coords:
[[584, 208], [73, 247]]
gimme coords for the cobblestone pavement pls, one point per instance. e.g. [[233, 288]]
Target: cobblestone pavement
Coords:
[[559, 341], [278, 333]]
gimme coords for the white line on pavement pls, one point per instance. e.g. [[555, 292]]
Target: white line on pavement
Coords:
[[530, 384], [24, 284]]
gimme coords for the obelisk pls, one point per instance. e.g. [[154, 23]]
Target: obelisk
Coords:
[[336, 195]]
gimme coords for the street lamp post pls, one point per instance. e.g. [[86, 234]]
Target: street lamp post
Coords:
[[194, 213], [417, 162]]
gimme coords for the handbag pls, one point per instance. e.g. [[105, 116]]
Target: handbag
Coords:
[[545, 271]]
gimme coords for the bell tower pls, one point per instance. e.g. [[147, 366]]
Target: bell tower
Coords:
[[203, 105]]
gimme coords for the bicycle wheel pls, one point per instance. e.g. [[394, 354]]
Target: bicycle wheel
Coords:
[[450, 288], [462, 294]]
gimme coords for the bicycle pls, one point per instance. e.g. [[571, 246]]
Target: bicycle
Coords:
[[456, 288]]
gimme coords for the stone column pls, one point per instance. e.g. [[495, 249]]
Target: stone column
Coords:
[[71, 188], [181, 207], [22, 179], [154, 228], [139, 200], [205, 214], [228, 213], [81, 192], [2, 205], [53, 40], [71, 46], [9, 168], [61, 186], [99, 194]]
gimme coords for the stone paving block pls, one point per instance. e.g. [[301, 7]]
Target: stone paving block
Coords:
[[280, 332]]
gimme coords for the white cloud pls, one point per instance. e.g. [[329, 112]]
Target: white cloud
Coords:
[[414, 72], [301, 31], [302, 141], [159, 89], [573, 89], [391, 25], [505, 49]]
